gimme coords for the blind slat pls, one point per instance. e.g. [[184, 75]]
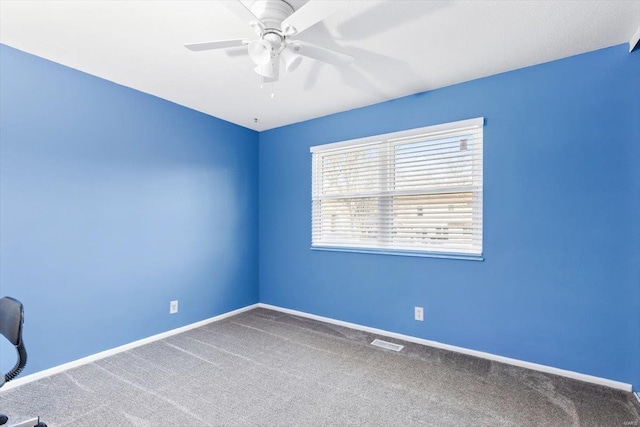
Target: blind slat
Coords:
[[405, 192]]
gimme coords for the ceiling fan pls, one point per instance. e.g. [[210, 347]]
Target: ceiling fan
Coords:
[[276, 22]]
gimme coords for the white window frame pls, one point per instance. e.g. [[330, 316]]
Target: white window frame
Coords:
[[384, 194]]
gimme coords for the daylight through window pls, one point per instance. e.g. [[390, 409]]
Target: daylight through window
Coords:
[[413, 191]]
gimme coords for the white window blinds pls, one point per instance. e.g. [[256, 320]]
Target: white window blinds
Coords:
[[415, 191]]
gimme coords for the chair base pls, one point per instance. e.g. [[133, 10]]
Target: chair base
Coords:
[[34, 422]]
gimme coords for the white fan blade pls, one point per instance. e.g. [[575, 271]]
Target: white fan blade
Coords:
[[244, 13], [322, 54], [218, 44], [310, 14]]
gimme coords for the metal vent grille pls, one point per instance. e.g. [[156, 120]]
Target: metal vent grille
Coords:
[[387, 345]]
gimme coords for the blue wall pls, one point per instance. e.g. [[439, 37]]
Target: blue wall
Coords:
[[113, 203], [559, 285], [635, 229]]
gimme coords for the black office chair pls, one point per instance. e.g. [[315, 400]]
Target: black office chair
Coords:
[[11, 320]]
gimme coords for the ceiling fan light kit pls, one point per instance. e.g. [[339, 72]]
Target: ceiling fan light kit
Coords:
[[275, 22], [267, 70], [261, 51], [290, 59]]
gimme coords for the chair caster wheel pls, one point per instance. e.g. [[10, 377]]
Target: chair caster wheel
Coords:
[[41, 424], [3, 419]]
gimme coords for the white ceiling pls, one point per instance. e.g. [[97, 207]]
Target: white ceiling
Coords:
[[401, 48]]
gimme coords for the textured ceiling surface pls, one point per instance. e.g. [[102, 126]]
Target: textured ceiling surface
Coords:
[[400, 48]]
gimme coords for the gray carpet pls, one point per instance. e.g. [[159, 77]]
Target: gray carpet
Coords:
[[265, 368]]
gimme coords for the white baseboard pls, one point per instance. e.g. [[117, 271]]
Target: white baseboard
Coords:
[[97, 356], [515, 362], [637, 393]]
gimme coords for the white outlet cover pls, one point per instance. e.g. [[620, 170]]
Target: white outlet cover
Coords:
[[419, 313], [173, 307]]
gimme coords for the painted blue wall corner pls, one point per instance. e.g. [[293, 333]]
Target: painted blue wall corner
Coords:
[[113, 203]]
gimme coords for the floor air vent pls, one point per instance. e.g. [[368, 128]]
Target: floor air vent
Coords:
[[387, 345]]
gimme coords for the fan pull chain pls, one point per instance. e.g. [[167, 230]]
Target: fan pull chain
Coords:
[[273, 93]]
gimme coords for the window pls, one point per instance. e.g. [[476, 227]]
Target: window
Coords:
[[414, 192]]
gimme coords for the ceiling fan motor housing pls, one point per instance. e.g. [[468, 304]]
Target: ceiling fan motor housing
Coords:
[[272, 13]]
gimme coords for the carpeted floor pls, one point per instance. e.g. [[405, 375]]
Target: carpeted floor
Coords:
[[265, 368]]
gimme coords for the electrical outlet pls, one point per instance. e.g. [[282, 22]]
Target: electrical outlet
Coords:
[[419, 313], [173, 307]]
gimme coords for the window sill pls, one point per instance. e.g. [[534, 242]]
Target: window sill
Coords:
[[465, 257]]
